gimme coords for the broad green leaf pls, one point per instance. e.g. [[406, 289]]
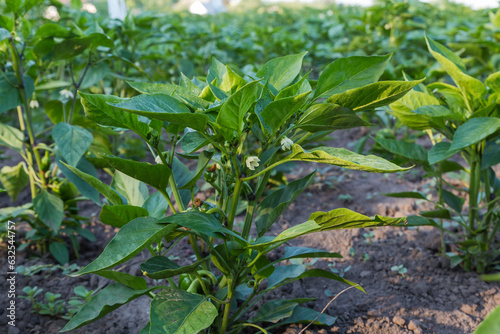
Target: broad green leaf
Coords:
[[4, 34], [156, 176], [54, 84], [49, 208], [55, 111], [343, 158], [440, 213], [10, 94], [60, 252], [51, 30], [180, 93], [493, 81], [105, 301], [348, 73], [14, 179], [404, 109], [306, 315], [271, 208], [233, 111], [282, 71], [283, 273], [98, 109], [329, 117], [306, 252], [83, 187], [193, 141], [129, 241], [474, 131], [453, 201], [275, 310], [374, 95], [177, 311], [435, 47], [439, 152], [134, 191], [492, 322], [203, 160], [300, 87], [72, 141], [11, 137], [407, 194], [411, 151], [164, 108], [119, 215], [227, 79], [419, 221], [345, 218], [276, 113], [197, 221], [160, 267], [156, 205], [472, 89], [71, 47], [134, 282], [98, 185]]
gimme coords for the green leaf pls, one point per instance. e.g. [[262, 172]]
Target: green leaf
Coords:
[[276, 113], [134, 191], [343, 158], [83, 187], [134, 282], [11, 137], [404, 109], [203, 160], [233, 111], [275, 310], [72, 141], [54, 84], [419, 221], [282, 71], [160, 267], [180, 93], [435, 47], [176, 311], [71, 47], [453, 201], [329, 117], [129, 241], [60, 252], [156, 176], [271, 208], [474, 131], [374, 95], [119, 215], [493, 81], [491, 324], [50, 30], [306, 252], [472, 89], [4, 34], [227, 79], [156, 205], [406, 194], [107, 300], [98, 185], [14, 179], [10, 93], [49, 208], [348, 73], [306, 315], [193, 141], [164, 108], [98, 109], [441, 213], [411, 151], [439, 152]]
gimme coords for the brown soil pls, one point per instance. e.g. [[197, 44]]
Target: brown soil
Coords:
[[431, 298]]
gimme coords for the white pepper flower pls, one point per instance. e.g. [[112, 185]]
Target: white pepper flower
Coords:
[[286, 143], [66, 94], [34, 104], [158, 160], [252, 162]]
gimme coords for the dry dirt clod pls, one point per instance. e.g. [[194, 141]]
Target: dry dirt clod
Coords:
[[398, 320], [414, 325], [467, 309]]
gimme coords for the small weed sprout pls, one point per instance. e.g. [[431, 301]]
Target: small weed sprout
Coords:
[[400, 269]]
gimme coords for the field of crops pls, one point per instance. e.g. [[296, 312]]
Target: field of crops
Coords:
[[268, 169]]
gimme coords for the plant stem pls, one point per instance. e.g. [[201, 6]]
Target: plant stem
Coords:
[[77, 85], [227, 307], [234, 204], [440, 201]]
